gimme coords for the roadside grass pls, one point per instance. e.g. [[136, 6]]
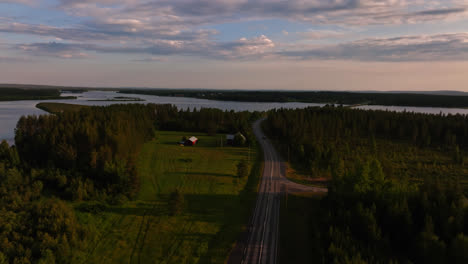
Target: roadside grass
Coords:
[[55, 108], [216, 208], [297, 243], [301, 177]]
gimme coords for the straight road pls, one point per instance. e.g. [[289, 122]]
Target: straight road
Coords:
[[262, 239]]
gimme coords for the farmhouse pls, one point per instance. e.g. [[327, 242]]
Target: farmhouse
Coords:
[[230, 139], [235, 139], [191, 141]]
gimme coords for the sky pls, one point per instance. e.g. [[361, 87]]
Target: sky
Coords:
[[237, 44]]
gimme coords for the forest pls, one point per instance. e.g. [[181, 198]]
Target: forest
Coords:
[[408, 145], [345, 98], [15, 94], [85, 155], [395, 182]]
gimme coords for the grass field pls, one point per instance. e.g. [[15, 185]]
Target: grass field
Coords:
[[216, 208]]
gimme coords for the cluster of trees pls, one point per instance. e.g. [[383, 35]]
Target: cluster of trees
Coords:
[[14, 94], [33, 228], [208, 120], [368, 218], [87, 154], [318, 139], [349, 98], [242, 169]]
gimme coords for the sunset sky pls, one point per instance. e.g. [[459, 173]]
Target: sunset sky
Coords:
[[237, 44]]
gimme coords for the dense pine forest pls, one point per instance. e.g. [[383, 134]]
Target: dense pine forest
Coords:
[[346, 98], [14, 94], [318, 141], [395, 192], [85, 155]]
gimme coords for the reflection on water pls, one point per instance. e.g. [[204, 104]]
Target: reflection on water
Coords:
[[10, 112]]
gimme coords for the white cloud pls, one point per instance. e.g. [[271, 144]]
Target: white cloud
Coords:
[[54, 49], [241, 49], [441, 47], [179, 27]]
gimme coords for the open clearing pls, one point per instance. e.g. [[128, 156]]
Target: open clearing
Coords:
[[216, 208]]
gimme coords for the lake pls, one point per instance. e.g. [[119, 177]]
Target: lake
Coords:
[[10, 112]]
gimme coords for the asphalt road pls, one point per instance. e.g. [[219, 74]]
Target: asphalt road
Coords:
[[263, 234]]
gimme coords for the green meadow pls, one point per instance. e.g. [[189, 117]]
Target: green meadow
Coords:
[[215, 210]]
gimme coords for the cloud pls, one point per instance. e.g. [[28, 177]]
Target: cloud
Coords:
[[53, 49], [245, 48], [240, 49], [186, 13], [91, 32], [442, 47], [179, 27]]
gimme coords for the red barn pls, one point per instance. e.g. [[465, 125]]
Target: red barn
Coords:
[[191, 141]]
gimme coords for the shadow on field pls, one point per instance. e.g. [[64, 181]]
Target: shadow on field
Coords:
[[237, 152], [212, 174], [141, 209], [212, 207]]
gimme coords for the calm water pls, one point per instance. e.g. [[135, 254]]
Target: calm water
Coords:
[[10, 112]]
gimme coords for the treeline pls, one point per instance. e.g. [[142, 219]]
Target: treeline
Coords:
[[14, 94], [368, 218], [88, 153], [318, 139], [208, 120], [346, 98]]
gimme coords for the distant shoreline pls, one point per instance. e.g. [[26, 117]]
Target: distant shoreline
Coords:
[[19, 94], [7, 99], [437, 99], [317, 97]]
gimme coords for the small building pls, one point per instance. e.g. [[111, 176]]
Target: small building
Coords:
[[230, 139], [191, 141], [235, 139]]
